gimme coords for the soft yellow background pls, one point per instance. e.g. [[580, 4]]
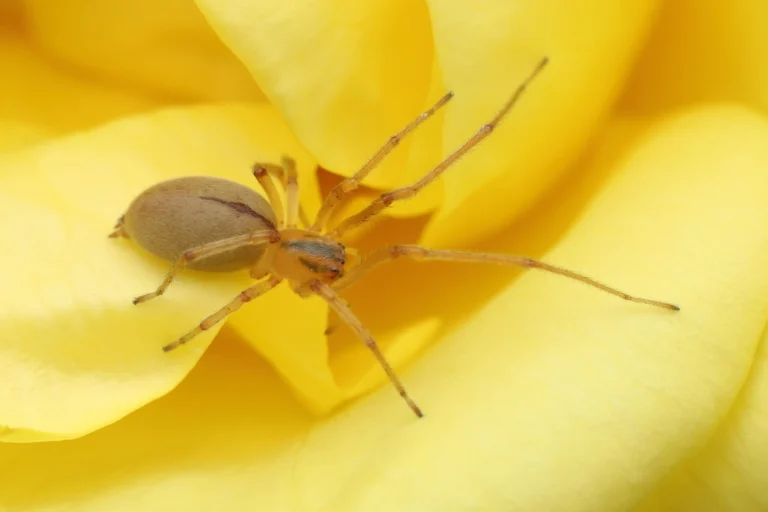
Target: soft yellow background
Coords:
[[628, 159]]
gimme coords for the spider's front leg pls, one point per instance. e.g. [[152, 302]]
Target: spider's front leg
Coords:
[[388, 198], [288, 177], [351, 184]]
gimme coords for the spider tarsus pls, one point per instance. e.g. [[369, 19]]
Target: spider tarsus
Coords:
[[664, 305], [143, 298], [415, 408]]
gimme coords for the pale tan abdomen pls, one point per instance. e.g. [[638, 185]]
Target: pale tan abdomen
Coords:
[[177, 215]]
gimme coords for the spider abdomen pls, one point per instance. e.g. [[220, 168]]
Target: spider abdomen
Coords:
[[181, 214]]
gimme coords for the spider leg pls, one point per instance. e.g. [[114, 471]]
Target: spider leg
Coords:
[[261, 173], [400, 194], [288, 178], [245, 296], [293, 209], [419, 253], [346, 315], [207, 250], [350, 184]]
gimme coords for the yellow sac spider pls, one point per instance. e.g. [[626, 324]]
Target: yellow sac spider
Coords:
[[213, 224]]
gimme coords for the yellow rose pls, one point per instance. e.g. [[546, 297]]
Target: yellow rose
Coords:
[[638, 157]]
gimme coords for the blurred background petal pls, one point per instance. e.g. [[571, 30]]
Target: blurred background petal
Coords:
[[703, 51], [162, 48], [15, 134], [11, 14], [51, 98]]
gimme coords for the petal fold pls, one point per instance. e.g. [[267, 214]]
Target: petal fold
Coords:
[[228, 434], [36, 92], [346, 74], [159, 48], [730, 472], [485, 50], [702, 52], [14, 134]]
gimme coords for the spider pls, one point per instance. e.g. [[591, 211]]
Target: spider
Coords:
[[218, 225]]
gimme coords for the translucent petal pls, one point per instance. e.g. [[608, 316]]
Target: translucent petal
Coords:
[[346, 74]]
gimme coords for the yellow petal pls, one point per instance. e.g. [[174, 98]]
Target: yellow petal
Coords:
[[162, 47], [14, 134], [485, 49], [554, 397], [730, 472], [206, 443], [703, 51], [74, 352], [433, 300], [423, 155], [346, 74], [10, 14], [35, 92]]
